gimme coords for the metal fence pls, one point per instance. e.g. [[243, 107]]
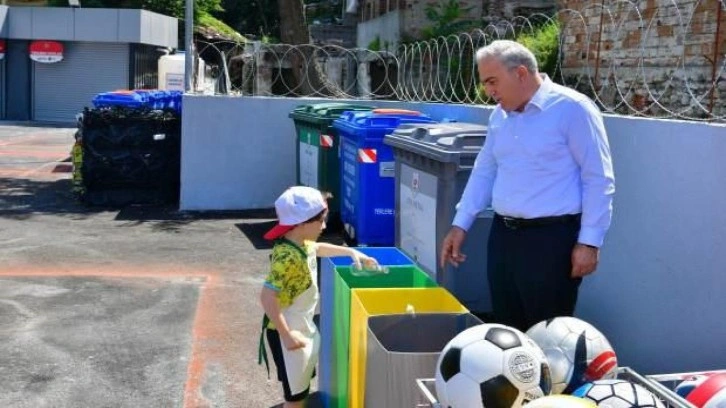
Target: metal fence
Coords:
[[664, 61]]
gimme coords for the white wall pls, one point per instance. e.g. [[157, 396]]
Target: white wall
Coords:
[[659, 293], [240, 152], [386, 27]]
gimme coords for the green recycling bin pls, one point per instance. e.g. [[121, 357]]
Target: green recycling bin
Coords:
[[318, 150]]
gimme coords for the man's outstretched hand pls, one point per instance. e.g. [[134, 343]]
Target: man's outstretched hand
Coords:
[[451, 247]]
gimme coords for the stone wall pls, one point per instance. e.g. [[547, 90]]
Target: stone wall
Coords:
[[658, 57]]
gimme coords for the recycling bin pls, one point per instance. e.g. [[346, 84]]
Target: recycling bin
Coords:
[[335, 283], [403, 348], [366, 303], [367, 173], [318, 151], [433, 164]]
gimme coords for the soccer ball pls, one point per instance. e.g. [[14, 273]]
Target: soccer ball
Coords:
[[561, 401], [711, 393], [576, 352], [618, 394], [491, 366], [686, 386]]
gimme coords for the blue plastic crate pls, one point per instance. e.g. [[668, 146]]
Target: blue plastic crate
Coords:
[[140, 98], [367, 173], [128, 99]]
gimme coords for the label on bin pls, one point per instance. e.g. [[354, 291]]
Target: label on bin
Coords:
[[174, 81], [308, 162], [387, 169], [418, 212]]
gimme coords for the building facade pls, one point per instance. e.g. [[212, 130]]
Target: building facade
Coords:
[[56, 60]]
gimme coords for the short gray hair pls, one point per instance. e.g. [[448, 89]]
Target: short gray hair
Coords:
[[510, 53]]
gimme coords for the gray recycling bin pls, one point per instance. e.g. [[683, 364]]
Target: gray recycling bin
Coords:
[[404, 347], [432, 165]]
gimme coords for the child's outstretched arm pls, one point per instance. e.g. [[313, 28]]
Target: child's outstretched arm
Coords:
[[360, 259], [291, 339]]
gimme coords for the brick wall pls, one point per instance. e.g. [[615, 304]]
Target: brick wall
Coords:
[[647, 54]]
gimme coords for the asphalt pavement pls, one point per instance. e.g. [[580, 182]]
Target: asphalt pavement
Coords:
[[141, 306]]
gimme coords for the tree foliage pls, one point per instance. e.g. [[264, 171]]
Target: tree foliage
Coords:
[[447, 18], [173, 8]]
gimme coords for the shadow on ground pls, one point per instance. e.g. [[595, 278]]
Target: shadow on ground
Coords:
[[22, 199], [315, 401]]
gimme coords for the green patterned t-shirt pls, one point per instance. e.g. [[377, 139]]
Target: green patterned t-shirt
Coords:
[[289, 271]]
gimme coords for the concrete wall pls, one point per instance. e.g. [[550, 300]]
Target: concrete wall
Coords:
[[240, 153], [386, 27], [94, 25], [658, 293]]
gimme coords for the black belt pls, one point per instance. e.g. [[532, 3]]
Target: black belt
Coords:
[[514, 223]]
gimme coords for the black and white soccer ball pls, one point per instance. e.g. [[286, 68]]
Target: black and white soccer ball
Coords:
[[618, 394], [576, 351], [491, 366]]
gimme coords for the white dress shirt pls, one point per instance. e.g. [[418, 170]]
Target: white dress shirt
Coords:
[[553, 158]]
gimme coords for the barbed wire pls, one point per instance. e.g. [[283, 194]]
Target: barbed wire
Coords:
[[665, 61]]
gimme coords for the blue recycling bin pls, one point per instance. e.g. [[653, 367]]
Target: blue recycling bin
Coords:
[[367, 173], [327, 384]]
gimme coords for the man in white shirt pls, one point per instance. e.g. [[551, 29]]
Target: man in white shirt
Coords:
[[546, 170]]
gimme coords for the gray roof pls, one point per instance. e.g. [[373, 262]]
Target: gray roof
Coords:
[[88, 24]]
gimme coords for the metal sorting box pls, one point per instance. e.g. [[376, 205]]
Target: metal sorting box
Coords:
[[404, 347], [366, 303], [337, 280], [367, 175], [433, 164], [318, 150]]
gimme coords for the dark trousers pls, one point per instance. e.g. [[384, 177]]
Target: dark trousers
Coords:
[[529, 272]]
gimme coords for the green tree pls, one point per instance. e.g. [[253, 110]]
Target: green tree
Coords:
[[256, 17], [544, 42], [447, 18]]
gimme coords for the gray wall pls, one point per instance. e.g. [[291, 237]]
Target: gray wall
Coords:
[[87, 24], [658, 294]]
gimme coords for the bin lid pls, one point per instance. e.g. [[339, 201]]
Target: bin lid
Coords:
[[324, 112], [444, 142], [379, 119]]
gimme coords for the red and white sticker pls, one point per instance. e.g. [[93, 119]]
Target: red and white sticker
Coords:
[[367, 155], [326, 141], [46, 52], [2, 49]]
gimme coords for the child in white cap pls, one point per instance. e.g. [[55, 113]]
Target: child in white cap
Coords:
[[290, 293]]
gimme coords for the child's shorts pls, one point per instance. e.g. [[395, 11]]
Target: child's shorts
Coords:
[[273, 339]]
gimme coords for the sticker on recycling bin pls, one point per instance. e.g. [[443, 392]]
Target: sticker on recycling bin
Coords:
[[417, 210]]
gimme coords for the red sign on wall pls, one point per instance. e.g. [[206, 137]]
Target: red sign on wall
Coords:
[[2, 49], [46, 52]]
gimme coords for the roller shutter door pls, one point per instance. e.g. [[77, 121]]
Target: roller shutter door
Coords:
[[63, 89]]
